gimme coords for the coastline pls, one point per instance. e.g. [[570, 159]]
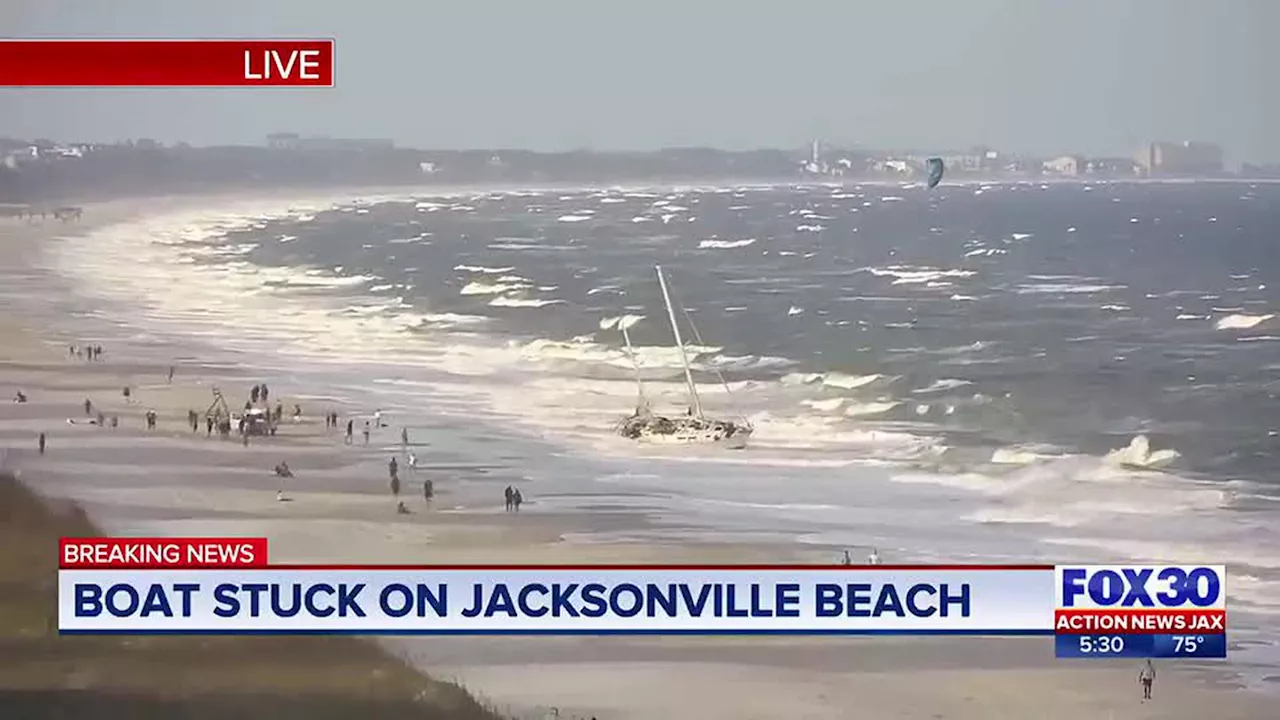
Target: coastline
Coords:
[[172, 482]]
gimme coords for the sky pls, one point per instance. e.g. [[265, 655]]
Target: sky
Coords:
[[1100, 77]]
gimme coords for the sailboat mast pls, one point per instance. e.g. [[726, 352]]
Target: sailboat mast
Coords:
[[675, 330], [635, 363]]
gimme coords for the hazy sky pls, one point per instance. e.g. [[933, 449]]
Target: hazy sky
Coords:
[[1098, 76]]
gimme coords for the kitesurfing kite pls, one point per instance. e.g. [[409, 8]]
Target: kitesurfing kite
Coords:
[[935, 168]]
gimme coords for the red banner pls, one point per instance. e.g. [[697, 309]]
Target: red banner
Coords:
[[1131, 621], [166, 63], [120, 553]]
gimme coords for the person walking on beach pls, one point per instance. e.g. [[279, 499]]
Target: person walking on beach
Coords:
[[350, 424], [516, 499], [404, 436], [253, 394], [509, 494], [208, 426], [170, 380], [395, 486], [263, 392], [40, 442], [428, 490], [1147, 678], [366, 432], [393, 469], [88, 407]]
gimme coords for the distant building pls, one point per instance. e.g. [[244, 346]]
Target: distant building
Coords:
[[1112, 167], [293, 141], [283, 141], [1066, 166], [1184, 158]]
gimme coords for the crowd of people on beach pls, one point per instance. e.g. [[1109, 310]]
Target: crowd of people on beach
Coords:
[[260, 418]]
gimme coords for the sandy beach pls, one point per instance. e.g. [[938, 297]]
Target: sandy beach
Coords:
[[172, 481]]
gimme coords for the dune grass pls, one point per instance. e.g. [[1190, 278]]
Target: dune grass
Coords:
[[44, 675]]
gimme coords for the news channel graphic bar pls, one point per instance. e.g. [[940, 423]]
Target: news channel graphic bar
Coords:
[[204, 585], [1133, 645], [283, 62]]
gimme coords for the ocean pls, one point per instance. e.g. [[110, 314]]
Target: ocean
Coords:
[[963, 374]]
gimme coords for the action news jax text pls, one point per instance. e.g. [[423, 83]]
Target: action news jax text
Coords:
[[227, 585]]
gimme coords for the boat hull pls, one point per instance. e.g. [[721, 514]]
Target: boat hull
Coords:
[[659, 429]]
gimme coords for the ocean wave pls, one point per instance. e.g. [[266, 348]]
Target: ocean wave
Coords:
[[724, 244], [1242, 321]]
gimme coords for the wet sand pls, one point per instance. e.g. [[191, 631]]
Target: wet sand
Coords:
[[174, 482]]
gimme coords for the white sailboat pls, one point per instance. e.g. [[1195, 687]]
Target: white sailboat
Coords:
[[692, 427]]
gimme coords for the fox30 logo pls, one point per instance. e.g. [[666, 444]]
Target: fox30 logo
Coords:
[[1167, 587]]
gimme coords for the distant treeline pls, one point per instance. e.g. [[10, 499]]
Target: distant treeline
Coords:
[[129, 170]]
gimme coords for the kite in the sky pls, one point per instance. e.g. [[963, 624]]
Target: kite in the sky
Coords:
[[936, 168]]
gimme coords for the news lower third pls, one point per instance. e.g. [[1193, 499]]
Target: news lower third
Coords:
[[230, 586]]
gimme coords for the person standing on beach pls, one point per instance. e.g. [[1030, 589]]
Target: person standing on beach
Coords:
[[253, 394], [40, 442], [350, 425], [393, 469], [170, 380], [395, 486], [366, 432], [1147, 678], [428, 490], [404, 436], [509, 494], [263, 393], [516, 499], [208, 426], [847, 559], [88, 407]]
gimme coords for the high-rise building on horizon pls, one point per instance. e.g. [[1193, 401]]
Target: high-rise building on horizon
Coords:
[[1181, 158]]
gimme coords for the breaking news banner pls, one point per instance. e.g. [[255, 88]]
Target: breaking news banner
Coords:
[[167, 63], [227, 586]]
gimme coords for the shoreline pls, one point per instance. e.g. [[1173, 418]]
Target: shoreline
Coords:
[[340, 494]]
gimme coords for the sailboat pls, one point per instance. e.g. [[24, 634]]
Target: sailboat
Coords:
[[692, 427]]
